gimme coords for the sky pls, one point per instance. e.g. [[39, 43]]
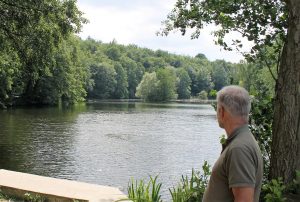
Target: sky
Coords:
[[137, 21]]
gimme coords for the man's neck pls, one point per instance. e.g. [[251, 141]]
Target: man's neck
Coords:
[[231, 127]]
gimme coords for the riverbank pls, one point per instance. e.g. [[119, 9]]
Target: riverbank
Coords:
[[90, 101], [184, 101], [196, 101]]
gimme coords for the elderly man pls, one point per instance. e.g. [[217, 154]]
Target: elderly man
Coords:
[[237, 174]]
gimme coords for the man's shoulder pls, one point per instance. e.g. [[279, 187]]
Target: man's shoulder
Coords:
[[245, 146], [244, 139], [244, 143]]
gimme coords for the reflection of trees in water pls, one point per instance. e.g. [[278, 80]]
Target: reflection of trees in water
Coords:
[[33, 139], [110, 105]]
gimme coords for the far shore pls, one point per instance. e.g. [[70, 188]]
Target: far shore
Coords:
[[185, 101]]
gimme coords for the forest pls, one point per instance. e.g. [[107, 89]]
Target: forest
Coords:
[[77, 70], [44, 62]]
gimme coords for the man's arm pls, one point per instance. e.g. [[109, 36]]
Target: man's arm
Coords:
[[243, 194]]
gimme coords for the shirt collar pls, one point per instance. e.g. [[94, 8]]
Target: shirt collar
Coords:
[[234, 134]]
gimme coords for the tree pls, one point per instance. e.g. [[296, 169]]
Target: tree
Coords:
[[201, 56], [219, 75], [104, 76], [266, 23], [147, 88], [203, 80], [9, 74], [134, 74], [65, 79], [153, 62], [33, 30], [74, 79], [158, 86], [166, 85], [183, 84], [121, 91], [113, 52], [202, 95]]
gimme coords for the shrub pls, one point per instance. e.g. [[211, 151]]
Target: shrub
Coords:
[[261, 120], [213, 94], [273, 191], [190, 190], [294, 187], [141, 192], [202, 95]]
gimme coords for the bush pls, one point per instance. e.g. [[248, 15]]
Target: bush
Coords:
[[202, 95], [294, 187], [192, 190], [213, 94], [273, 191], [261, 120]]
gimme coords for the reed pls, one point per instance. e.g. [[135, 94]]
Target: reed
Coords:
[[191, 189], [139, 191]]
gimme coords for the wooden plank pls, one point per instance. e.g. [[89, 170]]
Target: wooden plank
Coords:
[[58, 187]]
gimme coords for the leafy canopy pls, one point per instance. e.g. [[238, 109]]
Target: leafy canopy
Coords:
[[263, 22]]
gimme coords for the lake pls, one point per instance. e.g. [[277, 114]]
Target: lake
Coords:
[[108, 143]]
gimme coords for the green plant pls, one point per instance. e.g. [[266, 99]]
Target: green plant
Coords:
[[273, 191], [2, 195], [222, 139], [202, 95], [192, 189], [261, 120], [294, 187], [34, 197], [141, 192], [7, 197], [213, 94], [296, 182]]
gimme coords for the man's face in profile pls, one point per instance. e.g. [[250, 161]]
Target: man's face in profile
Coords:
[[219, 117]]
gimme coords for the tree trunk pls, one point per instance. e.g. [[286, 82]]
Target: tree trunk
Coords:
[[285, 157]]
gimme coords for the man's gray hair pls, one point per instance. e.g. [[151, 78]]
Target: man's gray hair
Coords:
[[236, 100]]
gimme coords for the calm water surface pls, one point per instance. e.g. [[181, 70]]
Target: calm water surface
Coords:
[[108, 143]]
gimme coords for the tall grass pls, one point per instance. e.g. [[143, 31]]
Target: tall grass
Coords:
[[142, 192], [188, 190], [192, 189]]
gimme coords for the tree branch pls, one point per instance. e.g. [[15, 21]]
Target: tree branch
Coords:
[[279, 55], [269, 67], [278, 60]]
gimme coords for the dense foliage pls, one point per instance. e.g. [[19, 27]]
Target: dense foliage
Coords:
[[263, 22], [33, 36], [77, 69], [119, 71]]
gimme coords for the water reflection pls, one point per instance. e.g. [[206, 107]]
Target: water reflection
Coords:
[[35, 138], [108, 143]]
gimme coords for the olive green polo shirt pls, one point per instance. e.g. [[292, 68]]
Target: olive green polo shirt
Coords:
[[239, 165]]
